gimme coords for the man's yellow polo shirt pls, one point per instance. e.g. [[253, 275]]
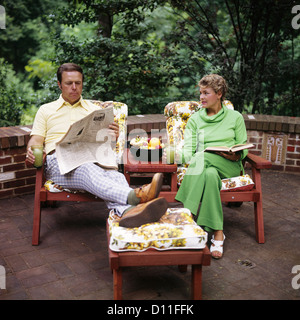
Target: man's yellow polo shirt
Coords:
[[53, 119]]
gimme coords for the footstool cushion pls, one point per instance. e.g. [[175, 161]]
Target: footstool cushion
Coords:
[[175, 230]]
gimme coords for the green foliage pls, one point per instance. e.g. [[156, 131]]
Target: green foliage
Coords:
[[125, 60], [18, 100], [148, 53], [11, 100], [243, 41], [40, 69], [26, 30], [26, 52]]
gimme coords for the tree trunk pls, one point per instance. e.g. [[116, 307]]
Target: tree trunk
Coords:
[[105, 24]]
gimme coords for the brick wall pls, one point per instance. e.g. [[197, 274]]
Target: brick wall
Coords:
[[15, 177], [282, 149], [275, 138]]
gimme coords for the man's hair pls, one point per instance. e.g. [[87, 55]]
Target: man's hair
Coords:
[[68, 67], [216, 82]]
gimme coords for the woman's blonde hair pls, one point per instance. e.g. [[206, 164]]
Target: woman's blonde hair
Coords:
[[216, 82]]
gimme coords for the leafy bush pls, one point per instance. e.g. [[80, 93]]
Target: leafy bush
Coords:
[[11, 102]]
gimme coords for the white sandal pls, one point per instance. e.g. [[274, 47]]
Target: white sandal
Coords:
[[217, 245]]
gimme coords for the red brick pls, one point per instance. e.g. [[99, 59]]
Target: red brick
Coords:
[[4, 143], [6, 193], [293, 169], [14, 167], [13, 141], [290, 162], [23, 190], [255, 152], [13, 184], [30, 180], [290, 149], [292, 155], [5, 160], [253, 139], [291, 142], [14, 151], [26, 173], [277, 167], [28, 165], [19, 157]]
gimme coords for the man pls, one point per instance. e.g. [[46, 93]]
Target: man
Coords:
[[134, 206]]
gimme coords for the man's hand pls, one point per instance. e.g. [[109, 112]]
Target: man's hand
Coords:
[[29, 156], [114, 131], [232, 156], [34, 140]]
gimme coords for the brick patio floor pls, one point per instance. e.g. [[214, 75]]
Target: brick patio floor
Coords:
[[71, 263]]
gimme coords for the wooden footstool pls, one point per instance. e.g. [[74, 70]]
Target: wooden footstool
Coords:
[[151, 257]]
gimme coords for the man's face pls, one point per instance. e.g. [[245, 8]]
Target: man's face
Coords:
[[71, 86]]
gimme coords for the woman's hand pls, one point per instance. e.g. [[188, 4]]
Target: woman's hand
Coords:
[[232, 156]]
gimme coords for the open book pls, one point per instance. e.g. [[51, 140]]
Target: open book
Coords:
[[235, 148], [87, 140]]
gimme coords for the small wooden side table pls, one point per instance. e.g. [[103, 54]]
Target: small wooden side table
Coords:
[[131, 165], [152, 257]]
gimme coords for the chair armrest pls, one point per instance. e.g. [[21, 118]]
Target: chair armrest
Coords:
[[258, 162]]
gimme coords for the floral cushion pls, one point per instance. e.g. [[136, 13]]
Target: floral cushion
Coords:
[[181, 171], [183, 109], [120, 117], [177, 114], [175, 230], [54, 187], [240, 183]]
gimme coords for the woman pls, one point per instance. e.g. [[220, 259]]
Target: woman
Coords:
[[213, 125]]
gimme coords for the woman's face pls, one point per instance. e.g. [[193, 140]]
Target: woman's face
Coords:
[[209, 98]]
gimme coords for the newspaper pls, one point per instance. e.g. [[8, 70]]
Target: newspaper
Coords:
[[87, 140]]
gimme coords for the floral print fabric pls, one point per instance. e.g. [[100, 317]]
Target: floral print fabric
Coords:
[[120, 117], [175, 230], [240, 183]]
